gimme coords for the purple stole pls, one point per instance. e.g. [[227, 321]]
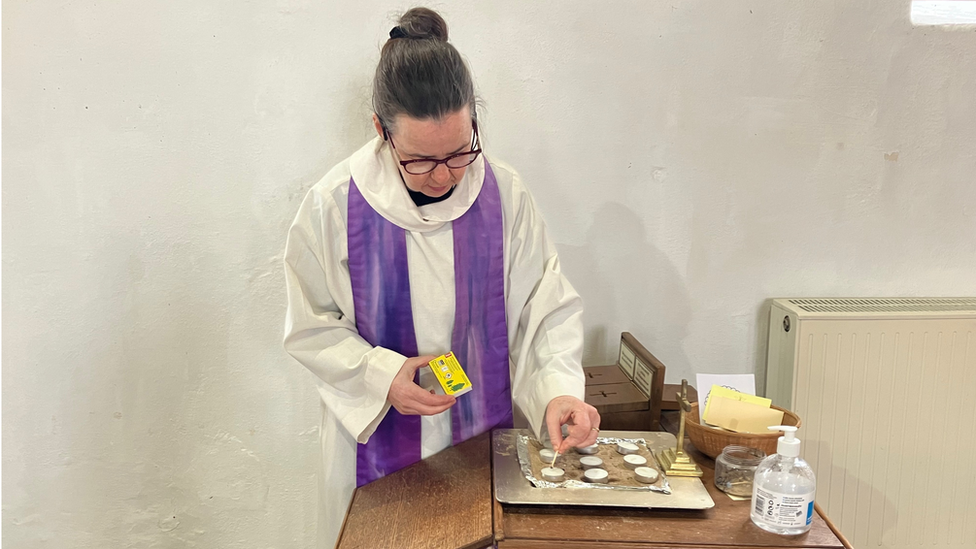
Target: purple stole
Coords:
[[384, 317]]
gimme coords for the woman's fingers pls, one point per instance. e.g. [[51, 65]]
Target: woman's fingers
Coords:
[[422, 410], [579, 432], [559, 411], [555, 432], [411, 365], [424, 399], [585, 430], [583, 421], [410, 399]]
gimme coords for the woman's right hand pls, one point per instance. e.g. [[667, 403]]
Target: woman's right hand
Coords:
[[411, 399]]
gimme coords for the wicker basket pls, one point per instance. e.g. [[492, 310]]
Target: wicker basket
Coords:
[[711, 441]]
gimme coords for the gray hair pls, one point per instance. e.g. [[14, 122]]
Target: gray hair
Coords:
[[420, 74]]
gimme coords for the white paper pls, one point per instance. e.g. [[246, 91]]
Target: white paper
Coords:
[[744, 383]]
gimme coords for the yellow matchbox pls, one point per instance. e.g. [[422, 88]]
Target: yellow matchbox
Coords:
[[450, 375]]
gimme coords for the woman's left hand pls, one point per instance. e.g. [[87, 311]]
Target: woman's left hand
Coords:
[[583, 421]]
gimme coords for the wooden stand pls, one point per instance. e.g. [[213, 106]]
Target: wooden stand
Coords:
[[627, 394]]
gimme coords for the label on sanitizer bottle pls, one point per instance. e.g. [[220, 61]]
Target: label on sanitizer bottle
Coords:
[[785, 510]]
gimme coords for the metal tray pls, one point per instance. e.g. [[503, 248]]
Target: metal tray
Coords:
[[512, 487]]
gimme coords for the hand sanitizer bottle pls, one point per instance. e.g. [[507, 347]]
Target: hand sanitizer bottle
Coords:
[[783, 489]]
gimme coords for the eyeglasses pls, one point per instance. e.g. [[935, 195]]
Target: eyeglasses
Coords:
[[427, 165]]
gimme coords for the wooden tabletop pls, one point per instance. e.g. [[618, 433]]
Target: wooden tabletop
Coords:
[[446, 502], [725, 526], [442, 502]]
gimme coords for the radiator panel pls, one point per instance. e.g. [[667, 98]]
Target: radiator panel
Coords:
[[888, 407]]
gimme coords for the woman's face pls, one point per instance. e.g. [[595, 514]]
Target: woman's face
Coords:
[[432, 139]]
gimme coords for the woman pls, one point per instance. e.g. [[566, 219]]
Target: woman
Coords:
[[414, 246]]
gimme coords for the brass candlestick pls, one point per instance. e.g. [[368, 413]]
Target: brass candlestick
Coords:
[[675, 461]]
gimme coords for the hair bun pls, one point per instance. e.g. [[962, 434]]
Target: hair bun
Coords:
[[421, 23]]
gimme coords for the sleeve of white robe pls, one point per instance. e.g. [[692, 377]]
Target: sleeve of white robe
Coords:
[[320, 328], [547, 347]]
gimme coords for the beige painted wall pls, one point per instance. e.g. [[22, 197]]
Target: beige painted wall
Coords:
[[692, 159]]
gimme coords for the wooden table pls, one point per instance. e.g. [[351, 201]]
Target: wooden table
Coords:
[[725, 526], [429, 505], [442, 502]]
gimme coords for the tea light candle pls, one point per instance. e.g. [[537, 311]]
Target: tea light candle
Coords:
[[588, 450], [553, 474], [627, 448], [647, 475], [596, 475], [590, 462], [634, 461], [546, 454]]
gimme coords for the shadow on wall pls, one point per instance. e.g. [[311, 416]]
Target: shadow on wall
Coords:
[[762, 344], [628, 285]]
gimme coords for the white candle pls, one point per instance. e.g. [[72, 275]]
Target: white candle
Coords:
[[647, 475], [553, 474], [596, 475], [627, 448], [546, 454], [591, 462], [589, 450], [634, 461]]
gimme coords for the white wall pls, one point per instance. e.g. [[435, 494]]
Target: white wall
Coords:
[[692, 159]]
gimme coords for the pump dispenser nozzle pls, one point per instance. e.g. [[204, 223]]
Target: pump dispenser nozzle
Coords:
[[788, 444]]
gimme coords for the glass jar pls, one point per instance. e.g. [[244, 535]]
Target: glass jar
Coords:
[[735, 468]]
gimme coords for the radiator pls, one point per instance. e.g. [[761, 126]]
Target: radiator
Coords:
[[886, 392]]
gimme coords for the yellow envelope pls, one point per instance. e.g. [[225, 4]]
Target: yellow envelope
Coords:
[[718, 390], [742, 417]]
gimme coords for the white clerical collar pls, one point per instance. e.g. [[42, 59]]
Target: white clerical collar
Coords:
[[375, 172]]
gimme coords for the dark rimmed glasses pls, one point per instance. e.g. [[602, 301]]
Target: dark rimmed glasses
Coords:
[[459, 160]]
